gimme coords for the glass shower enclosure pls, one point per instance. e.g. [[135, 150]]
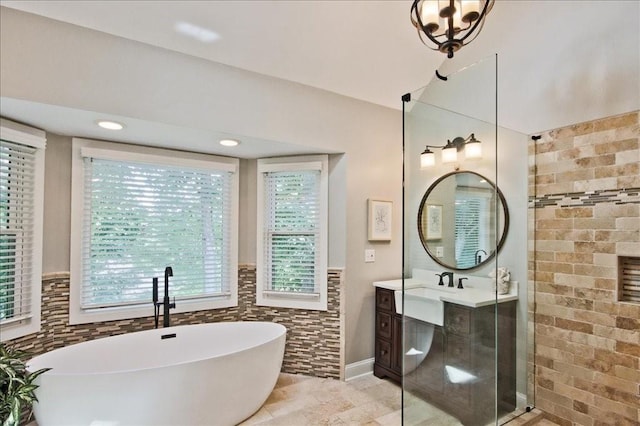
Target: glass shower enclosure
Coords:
[[460, 302]]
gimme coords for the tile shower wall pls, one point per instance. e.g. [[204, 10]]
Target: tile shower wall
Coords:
[[313, 345], [584, 185]]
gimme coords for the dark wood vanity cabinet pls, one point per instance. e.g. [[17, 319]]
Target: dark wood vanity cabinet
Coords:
[[388, 341], [470, 348], [459, 372]]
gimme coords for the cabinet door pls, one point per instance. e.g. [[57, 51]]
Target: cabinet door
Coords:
[[458, 319], [396, 356], [459, 353], [431, 370]]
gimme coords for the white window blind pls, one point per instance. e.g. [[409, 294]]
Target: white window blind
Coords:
[[292, 233], [139, 218], [292, 205], [17, 239]]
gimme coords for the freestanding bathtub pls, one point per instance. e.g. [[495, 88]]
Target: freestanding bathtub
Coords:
[[208, 374]]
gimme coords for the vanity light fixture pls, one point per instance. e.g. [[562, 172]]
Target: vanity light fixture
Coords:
[[110, 125], [472, 149], [229, 142], [449, 24]]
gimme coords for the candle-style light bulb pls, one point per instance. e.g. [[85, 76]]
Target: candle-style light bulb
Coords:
[[429, 15], [470, 10]]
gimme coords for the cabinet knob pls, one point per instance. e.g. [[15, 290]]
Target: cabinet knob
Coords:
[[384, 324]]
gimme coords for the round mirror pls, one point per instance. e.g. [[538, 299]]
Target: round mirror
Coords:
[[457, 220]]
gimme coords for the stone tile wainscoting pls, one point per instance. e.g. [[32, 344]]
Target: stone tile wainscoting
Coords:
[[584, 186], [314, 338]]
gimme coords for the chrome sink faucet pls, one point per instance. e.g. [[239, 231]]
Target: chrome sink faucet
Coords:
[[166, 304], [446, 274]]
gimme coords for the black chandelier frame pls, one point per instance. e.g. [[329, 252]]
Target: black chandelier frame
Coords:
[[453, 43]]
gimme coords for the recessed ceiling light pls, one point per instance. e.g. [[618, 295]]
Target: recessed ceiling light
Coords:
[[110, 125], [229, 142]]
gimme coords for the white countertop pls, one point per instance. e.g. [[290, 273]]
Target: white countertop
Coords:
[[397, 284], [471, 295]]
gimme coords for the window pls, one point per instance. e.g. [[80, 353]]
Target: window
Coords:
[[292, 232], [143, 210], [21, 210]]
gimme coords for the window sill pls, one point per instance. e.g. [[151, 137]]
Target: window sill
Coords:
[[88, 316], [278, 299]]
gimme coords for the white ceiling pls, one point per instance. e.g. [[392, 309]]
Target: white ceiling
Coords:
[[560, 62]]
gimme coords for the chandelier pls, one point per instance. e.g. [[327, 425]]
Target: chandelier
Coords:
[[449, 24]]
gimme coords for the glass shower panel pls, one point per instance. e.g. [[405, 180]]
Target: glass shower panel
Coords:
[[458, 341]]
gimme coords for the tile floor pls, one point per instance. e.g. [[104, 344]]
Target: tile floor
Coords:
[[301, 400], [309, 401]]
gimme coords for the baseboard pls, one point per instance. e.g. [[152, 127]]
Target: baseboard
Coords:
[[358, 369]]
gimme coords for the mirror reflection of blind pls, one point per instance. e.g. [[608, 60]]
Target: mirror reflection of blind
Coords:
[[470, 229]]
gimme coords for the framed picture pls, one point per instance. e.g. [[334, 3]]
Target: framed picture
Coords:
[[379, 220], [434, 221]]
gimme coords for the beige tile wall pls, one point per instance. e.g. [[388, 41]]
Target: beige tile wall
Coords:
[[313, 345], [584, 184]]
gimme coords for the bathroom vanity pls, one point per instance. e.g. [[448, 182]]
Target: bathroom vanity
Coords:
[[388, 341], [450, 361]]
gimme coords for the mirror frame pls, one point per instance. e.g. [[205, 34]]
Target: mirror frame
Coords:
[[423, 238]]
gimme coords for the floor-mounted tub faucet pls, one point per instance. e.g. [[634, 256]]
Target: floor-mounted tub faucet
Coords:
[[166, 303], [168, 272]]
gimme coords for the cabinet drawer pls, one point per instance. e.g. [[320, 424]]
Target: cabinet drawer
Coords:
[[384, 299], [458, 352], [383, 353], [458, 320], [383, 325]]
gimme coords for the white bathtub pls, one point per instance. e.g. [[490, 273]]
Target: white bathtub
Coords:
[[209, 374]]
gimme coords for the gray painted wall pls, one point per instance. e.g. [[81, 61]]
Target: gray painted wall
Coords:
[[57, 204], [46, 61]]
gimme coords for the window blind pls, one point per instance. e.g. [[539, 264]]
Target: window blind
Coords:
[[292, 226], [17, 216], [139, 218]]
